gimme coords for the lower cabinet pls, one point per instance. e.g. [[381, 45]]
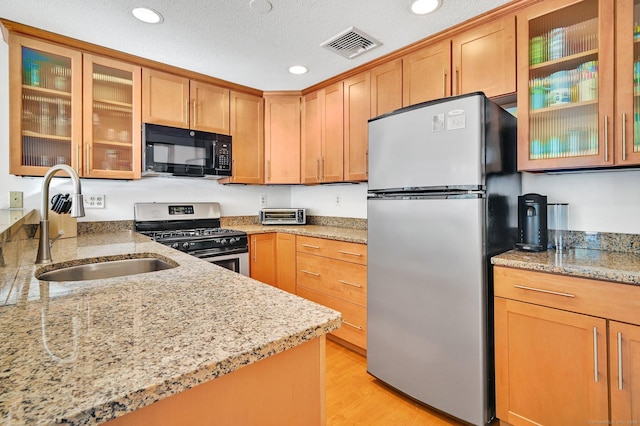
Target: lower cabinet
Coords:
[[273, 259], [334, 274], [567, 350]]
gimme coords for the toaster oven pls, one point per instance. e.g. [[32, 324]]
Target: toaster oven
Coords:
[[283, 216]]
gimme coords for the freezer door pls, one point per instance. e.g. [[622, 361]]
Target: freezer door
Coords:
[[427, 302], [437, 145]]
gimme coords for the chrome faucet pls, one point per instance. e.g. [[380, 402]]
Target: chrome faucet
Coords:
[[77, 209]]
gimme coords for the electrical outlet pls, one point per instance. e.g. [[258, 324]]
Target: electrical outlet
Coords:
[[263, 200], [338, 200], [15, 199], [94, 201]]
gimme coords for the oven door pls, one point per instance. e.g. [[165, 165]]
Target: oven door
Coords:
[[236, 262]]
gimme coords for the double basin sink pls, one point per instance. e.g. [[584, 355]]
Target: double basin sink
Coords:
[[104, 267]]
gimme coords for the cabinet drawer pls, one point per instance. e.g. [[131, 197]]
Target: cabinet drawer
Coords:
[[344, 280], [354, 317], [592, 297], [341, 250]]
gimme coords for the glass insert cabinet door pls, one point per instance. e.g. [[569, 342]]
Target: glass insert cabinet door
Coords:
[[565, 101], [112, 112], [46, 106], [628, 82]]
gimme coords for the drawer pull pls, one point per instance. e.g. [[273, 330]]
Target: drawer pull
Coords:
[[351, 284], [315, 274], [595, 354], [620, 361], [310, 246], [357, 327], [350, 253], [557, 293]]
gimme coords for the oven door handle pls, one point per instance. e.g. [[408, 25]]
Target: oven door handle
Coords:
[[215, 253]]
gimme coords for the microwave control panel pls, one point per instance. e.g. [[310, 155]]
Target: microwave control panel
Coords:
[[222, 155]]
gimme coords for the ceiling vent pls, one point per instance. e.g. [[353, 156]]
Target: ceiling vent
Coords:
[[351, 43]]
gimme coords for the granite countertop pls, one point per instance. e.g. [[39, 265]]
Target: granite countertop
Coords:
[[586, 263], [331, 232], [86, 352]]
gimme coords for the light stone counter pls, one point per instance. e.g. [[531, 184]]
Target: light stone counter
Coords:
[[85, 352], [330, 232], [622, 267]]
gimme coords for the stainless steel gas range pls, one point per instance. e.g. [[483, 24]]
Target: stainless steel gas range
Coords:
[[194, 228]]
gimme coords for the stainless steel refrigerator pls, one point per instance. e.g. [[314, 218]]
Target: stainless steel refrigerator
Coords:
[[443, 187]]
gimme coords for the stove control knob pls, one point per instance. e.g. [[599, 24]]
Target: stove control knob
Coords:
[[175, 246], [185, 245], [223, 241]]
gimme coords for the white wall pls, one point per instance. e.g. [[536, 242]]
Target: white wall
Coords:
[[603, 202]]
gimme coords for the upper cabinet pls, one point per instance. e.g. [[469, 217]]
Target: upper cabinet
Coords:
[[282, 136], [566, 97], [484, 59], [357, 112], [627, 82], [45, 94], [54, 121], [172, 100], [427, 73], [111, 127], [322, 138], [247, 132]]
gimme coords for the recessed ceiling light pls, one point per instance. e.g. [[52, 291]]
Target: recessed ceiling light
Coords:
[[260, 6], [423, 7], [147, 15], [298, 69]]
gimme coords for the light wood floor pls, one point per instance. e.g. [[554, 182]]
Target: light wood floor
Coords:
[[354, 397]]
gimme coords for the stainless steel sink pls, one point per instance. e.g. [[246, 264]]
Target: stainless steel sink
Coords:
[[104, 269]]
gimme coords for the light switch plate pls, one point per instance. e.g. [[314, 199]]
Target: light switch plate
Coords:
[[15, 200]]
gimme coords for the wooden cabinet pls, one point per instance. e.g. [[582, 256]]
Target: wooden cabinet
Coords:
[[45, 95], [427, 73], [96, 130], [112, 138], [247, 132], [282, 138], [322, 137], [173, 100], [273, 260], [262, 263], [367, 95], [566, 74], [551, 338], [334, 274], [286, 262], [627, 118], [480, 59], [484, 58]]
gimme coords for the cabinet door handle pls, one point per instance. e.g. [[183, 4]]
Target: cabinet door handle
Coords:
[[321, 169], [619, 360], [315, 274], [255, 249], [310, 246], [557, 293], [233, 170], [350, 253], [357, 327], [606, 138], [78, 159], [318, 169], [444, 83], [268, 170], [595, 354], [87, 159], [366, 163], [351, 284], [195, 114], [624, 136], [186, 111], [456, 82]]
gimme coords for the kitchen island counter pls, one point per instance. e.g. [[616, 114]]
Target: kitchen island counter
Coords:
[[87, 352], [621, 267]]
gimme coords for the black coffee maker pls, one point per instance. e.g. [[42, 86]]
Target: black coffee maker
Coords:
[[532, 222]]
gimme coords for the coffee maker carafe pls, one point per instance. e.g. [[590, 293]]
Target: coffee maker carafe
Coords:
[[532, 222]]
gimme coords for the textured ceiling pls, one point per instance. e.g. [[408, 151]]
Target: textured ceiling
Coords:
[[227, 39]]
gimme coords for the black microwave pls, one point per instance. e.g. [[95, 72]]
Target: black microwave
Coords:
[[172, 151]]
